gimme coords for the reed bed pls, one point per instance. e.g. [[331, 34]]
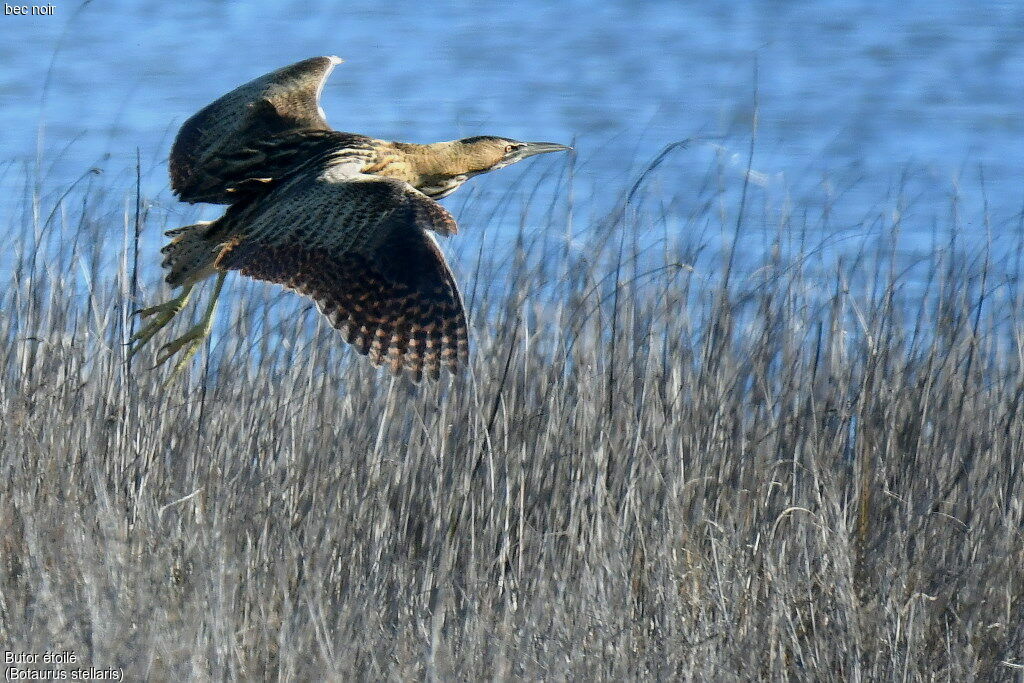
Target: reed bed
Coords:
[[699, 437]]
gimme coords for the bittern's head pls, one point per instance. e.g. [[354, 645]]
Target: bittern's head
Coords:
[[486, 153]]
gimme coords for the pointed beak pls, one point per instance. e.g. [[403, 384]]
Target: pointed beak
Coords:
[[533, 148]]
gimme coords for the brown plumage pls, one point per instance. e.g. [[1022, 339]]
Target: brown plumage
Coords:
[[218, 135], [342, 218], [380, 279]]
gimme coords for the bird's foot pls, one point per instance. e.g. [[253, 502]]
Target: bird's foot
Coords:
[[187, 344], [163, 313]]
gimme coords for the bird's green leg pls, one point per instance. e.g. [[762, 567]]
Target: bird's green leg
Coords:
[[193, 339], [164, 313]]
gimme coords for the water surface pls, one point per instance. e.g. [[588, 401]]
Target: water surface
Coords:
[[853, 99]]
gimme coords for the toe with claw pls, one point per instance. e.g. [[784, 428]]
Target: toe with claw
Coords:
[[163, 313], [187, 344]]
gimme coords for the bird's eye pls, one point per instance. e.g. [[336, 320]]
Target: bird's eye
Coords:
[[509, 148]]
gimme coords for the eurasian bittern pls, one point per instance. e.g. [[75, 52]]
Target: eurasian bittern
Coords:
[[342, 218]]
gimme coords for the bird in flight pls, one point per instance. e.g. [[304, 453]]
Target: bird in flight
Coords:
[[342, 218]]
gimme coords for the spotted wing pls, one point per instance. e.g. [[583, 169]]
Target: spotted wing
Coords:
[[359, 247], [220, 135]]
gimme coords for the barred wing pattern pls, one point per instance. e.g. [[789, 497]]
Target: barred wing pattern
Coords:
[[359, 247], [280, 102]]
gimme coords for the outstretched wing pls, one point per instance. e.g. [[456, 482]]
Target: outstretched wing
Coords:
[[359, 247], [280, 102]]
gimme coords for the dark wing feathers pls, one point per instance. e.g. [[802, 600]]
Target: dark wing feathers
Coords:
[[280, 102], [358, 246]]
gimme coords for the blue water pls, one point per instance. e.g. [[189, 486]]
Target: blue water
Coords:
[[851, 97]]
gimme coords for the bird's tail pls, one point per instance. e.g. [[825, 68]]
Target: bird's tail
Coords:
[[190, 254]]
